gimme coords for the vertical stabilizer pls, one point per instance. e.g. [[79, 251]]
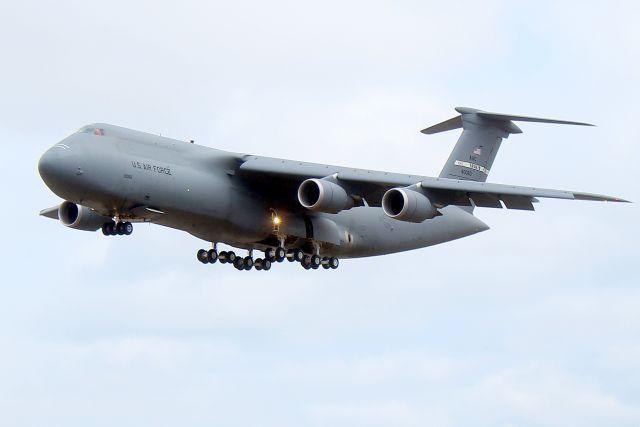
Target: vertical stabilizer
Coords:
[[482, 134]]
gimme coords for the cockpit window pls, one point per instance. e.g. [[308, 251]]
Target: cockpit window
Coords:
[[92, 130]]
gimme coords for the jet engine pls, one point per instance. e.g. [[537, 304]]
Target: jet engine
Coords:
[[408, 205], [323, 196], [80, 217]]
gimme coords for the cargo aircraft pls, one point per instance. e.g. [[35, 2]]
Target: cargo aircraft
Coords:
[[111, 177]]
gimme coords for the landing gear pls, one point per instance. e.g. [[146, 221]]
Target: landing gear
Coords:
[[208, 256], [108, 228], [295, 255], [271, 255], [334, 262], [227, 257], [202, 256], [112, 228], [315, 261], [238, 263], [262, 264], [275, 254]]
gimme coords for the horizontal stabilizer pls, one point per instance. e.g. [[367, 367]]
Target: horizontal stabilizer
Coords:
[[465, 112], [506, 117], [451, 124]]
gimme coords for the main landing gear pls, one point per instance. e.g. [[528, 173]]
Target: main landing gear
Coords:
[[113, 228], [271, 255]]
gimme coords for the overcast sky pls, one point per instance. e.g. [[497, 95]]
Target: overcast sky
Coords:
[[535, 322]]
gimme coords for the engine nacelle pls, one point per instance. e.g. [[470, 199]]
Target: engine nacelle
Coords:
[[407, 205], [80, 217], [323, 196]]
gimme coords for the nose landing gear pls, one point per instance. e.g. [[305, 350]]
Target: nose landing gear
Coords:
[[112, 228]]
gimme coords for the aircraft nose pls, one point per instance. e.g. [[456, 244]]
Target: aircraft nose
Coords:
[[57, 167]]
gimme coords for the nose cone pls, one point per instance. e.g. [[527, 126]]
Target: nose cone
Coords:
[[58, 169]]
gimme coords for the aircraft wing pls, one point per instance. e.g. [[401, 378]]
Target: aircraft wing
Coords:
[[370, 186]]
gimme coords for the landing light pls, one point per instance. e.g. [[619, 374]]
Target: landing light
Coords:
[[276, 220]]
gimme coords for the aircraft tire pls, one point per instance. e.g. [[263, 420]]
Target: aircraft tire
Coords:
[[238, 263], [315, 261], [212, 256], [266, 265], [248, 263], [107, 228], [202, 256], [334, 262], [231, 256], [127, 228], [269, 254], [298, 255], [280, 254], [222, 256]]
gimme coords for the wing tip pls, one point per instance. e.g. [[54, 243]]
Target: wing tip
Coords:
[[599, 198]]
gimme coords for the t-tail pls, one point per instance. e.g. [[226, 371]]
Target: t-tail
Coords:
[[476, 149]]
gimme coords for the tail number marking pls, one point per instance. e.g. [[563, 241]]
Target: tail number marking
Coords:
[[472, 166]]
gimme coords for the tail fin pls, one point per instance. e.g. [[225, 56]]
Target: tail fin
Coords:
[[482, 134]]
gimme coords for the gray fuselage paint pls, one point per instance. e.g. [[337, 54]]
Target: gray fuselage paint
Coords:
[[197, 189]]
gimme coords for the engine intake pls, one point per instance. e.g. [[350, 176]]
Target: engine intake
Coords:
[[80, 217], [407, 205], [323, 196]]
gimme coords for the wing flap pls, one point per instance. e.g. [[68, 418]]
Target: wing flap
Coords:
[[522, 203], [486, 200]]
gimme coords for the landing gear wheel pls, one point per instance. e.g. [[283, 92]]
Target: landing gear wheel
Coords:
[[334, 262], [306, 262], [270, 254], [238, 263], [266, 265], [315, 261], [248, 263], [298, 255], [223, 257], [280, 254], [231, 256], [212, 256], [290, 255], [258, 264], [108, 228], [128, 228], [120, 229], [202, 256], [325, 263]]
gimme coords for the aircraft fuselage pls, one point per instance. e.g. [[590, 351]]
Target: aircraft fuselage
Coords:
[[138, 176]]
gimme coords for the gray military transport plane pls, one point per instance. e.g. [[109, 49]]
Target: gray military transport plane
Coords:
[[111, 177]]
